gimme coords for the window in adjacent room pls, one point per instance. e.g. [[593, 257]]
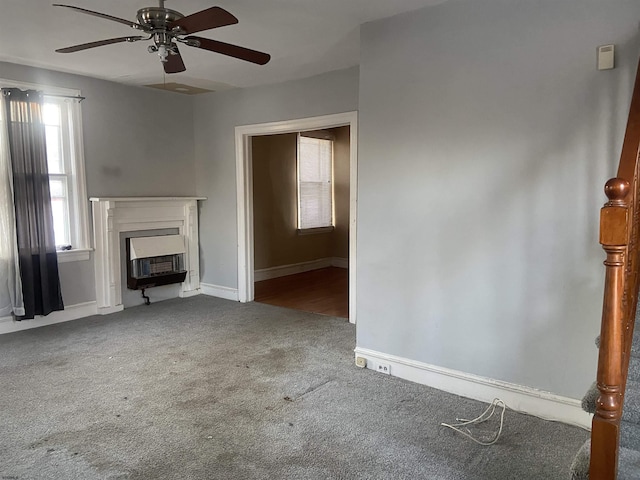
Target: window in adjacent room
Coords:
[[65, 159], [315, 184]]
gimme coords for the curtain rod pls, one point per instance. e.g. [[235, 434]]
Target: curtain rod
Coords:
[[76, 97]]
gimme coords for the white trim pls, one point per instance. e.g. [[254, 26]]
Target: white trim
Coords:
[[219, 291], [75, 255], [292, 269], [71, 312], [189, 293], [353, 210], [244, 192], [109, 310], [517, 397], [142, 199], [81, 207]]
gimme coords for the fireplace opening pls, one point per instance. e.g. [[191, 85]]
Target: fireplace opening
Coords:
[[155, 261]]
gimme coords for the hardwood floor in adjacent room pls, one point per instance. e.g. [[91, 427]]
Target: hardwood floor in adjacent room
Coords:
[[324, 291]]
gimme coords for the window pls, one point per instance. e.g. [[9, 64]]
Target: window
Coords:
[[65, 159], [59, 161], [315, 185]]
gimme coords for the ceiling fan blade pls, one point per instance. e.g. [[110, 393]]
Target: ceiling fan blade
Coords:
[[99, 43], [236, 51], [135, 25], [174, 63], [213, 17]]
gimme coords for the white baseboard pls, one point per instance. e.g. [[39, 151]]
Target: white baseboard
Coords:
[[110, 310], [189, 293], [284, 270], [71, 312], [517, 397], [219, 291]]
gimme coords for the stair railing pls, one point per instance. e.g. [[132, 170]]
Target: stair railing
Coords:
[[619, 236]]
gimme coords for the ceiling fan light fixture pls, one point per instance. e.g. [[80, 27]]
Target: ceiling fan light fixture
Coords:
[[163, 53]]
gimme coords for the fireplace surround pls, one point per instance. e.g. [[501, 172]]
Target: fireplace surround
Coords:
[[114, 215]]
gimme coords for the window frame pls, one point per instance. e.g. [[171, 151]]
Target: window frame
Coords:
[[78, 203], [319, 229]]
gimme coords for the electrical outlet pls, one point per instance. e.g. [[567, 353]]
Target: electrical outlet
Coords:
[[384, 368], [361, 362]]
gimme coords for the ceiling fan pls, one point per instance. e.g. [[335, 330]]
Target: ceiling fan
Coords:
[[166, 27]]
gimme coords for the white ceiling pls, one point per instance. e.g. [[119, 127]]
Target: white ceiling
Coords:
[[304, 38]]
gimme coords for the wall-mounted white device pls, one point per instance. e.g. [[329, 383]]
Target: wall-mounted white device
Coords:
[[606, 57]]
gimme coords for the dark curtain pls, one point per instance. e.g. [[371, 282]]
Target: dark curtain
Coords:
[[34, 220]]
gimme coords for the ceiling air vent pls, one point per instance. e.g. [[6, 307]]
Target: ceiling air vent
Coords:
[[180, 88]]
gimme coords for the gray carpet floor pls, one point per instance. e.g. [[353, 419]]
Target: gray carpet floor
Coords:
[[204, 388]]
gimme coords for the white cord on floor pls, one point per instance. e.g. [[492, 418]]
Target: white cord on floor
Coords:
[[480, 419]]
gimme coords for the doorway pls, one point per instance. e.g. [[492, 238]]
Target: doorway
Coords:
[[301, 220], [244, 166]]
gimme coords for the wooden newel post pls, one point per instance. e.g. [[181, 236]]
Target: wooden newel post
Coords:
[[614, 238]]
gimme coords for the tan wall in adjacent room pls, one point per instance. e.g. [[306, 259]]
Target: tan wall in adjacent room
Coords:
[[275, 203], [341, 182]]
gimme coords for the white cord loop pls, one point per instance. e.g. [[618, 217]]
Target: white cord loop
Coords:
[[480, 419]]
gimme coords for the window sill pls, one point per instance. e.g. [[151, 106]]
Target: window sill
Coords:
[[75, 255], [314, 231]]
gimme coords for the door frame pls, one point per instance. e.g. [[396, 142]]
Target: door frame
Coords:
[[244, 180]]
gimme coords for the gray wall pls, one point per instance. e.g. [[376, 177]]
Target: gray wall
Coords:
[[275, 203], [486, 135], [138, 142], [216, 116], [77, 281]]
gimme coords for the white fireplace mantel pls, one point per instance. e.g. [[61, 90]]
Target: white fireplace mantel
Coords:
[[114, 215]]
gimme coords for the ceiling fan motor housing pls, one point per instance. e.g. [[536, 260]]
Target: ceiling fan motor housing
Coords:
[[157, 18]]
